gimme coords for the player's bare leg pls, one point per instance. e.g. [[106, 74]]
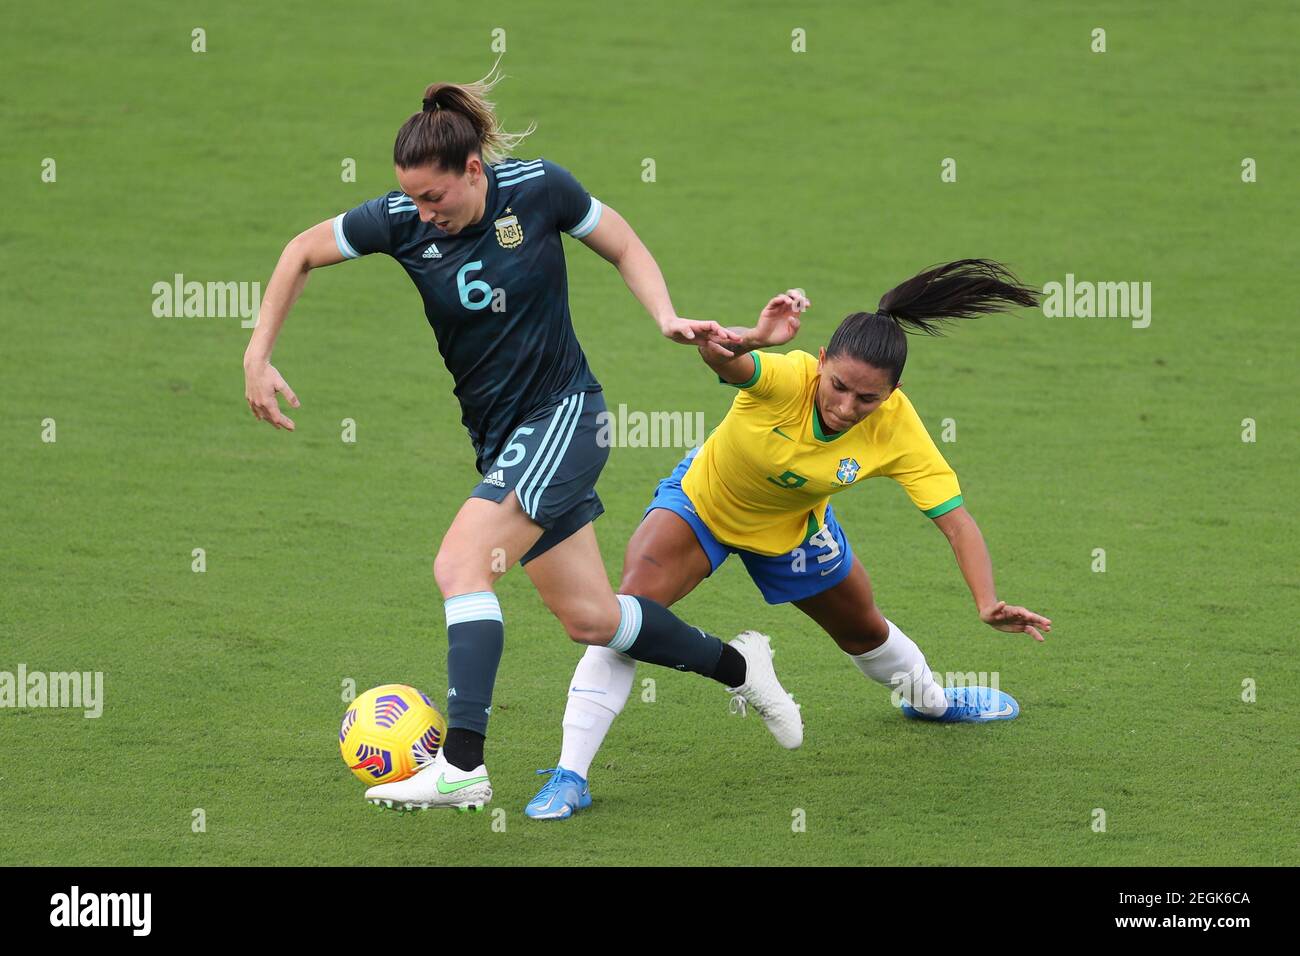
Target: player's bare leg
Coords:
[[665, 556], [884, 654], [663, 560], [573, 584], [571, 579], [485, 540], [663, 563], [848, 613]]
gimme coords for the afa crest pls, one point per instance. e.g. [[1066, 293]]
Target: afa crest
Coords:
[[847, 471], [510, 231]]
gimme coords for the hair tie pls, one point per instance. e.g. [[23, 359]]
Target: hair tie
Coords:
[[431, 104]]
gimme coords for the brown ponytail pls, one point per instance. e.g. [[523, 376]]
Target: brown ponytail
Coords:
[[457, 121]]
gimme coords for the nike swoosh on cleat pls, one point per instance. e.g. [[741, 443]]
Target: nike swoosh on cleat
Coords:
[[585, 690], [1004, 712], [445, 787]]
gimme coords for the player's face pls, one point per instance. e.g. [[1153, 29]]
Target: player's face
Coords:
[[848, 390], [449, 200]]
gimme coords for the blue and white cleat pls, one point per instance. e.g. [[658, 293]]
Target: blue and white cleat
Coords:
[[971, 705], [564, 795]]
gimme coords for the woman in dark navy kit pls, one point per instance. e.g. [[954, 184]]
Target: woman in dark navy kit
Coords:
[[479, 234]]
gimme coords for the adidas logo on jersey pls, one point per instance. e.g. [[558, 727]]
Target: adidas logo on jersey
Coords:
[[432, 252], [497, 478]]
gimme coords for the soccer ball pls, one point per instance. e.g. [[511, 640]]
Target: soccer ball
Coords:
[[389, 732]]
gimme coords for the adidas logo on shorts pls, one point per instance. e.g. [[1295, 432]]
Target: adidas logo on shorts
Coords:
[[497, 478], [432, 252]]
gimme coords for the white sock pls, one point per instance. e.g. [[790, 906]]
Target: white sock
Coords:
[[899, 665], [600, 687]]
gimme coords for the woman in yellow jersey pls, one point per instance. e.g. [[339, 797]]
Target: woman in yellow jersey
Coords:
[[801, 429]]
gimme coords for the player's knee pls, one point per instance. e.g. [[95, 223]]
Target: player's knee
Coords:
[[635, 582], [442, 571], [452, 572], [583, 631], [645, 582], [589, 625], [869, 634]]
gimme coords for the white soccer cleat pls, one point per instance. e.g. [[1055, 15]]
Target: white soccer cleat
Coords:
[[437, 784], [763, 692]]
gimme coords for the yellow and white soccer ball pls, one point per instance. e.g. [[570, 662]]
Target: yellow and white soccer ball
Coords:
[[389, 732]]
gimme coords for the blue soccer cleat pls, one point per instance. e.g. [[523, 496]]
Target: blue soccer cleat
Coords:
[[971, 705], [564, 795]]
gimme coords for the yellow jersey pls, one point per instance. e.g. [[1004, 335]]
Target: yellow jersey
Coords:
[[763, 478]]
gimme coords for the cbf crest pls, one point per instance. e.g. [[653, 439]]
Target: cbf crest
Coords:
[[847, 471], [510, 231]]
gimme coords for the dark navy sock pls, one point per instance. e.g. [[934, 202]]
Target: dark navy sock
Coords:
[[649, 632], [731, 669], [464, 748], [475, 638]]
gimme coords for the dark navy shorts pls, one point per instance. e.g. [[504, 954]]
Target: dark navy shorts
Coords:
[[551, 463], [821, 562]]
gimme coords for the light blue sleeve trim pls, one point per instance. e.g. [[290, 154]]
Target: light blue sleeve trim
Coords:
[[509, 168], [477, 606], [589, 221], [503, 181], [629, 624], [345, 248]]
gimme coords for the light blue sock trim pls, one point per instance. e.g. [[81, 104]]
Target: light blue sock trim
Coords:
[[478, 606], [629, 624]]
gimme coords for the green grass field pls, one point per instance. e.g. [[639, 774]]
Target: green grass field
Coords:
[[821, 169]]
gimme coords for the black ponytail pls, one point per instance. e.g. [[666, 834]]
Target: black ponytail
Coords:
[[962, 289]]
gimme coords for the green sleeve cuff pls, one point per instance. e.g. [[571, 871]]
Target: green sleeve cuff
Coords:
[[758, 368], [943, 509]]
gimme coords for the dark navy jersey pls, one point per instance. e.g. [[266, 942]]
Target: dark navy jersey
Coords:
[[496, 293]]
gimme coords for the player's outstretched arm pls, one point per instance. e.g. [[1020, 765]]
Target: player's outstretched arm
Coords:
[[977, 568], [618, 244], [306, 251], [778, 323]]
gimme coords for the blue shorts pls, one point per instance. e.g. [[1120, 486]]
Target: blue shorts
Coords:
[[821, 562]]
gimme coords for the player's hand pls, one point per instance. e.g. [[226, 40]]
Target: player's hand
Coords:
[[1015, 620], [261, 383], [693, 332], [779, 320]]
